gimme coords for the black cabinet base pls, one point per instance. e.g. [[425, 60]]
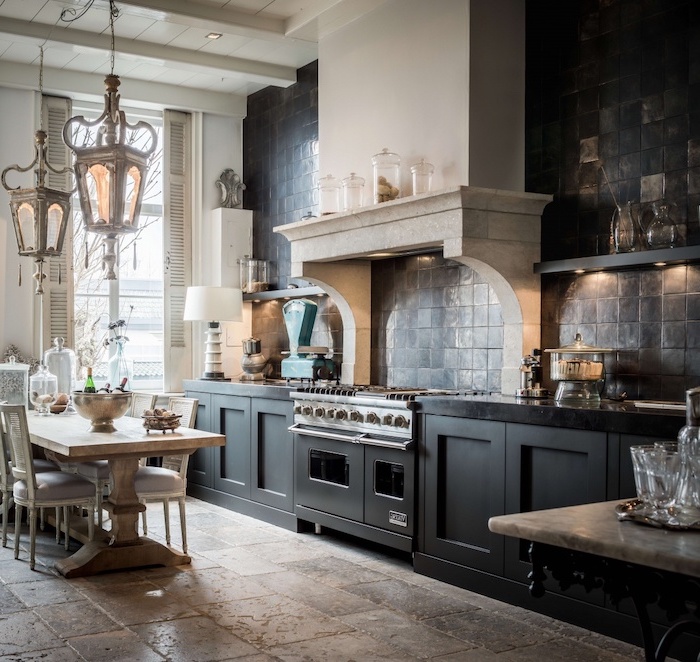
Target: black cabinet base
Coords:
[[259, 511], [599, 619]]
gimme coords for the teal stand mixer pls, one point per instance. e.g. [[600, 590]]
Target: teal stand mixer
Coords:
[[304, 362]]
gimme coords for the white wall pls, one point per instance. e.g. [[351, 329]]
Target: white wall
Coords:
[[18, 110], [400, 78]]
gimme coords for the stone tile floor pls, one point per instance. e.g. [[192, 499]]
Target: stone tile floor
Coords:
[[255, 593]]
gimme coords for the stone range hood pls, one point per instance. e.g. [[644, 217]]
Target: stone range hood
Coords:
[[496, 233]]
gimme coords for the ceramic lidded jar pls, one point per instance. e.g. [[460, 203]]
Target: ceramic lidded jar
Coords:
[[14, 382], [386, 170]]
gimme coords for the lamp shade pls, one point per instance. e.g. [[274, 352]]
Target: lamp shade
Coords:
[[213, 304]]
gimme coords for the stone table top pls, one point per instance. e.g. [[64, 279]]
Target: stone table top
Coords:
[[594, 528]]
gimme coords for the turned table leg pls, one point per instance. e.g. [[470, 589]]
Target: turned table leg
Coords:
[[123, 504]]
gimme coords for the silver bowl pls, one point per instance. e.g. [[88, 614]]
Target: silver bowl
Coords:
[[101, 409]]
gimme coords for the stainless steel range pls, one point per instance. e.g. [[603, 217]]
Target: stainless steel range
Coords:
[[355, 461]]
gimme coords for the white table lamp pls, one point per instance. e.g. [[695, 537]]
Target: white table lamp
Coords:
[[213, 305]]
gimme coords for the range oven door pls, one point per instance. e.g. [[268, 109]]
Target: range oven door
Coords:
[[329, 473], [390, 489]]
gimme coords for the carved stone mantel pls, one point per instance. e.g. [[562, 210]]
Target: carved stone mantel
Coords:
[[495, 232]]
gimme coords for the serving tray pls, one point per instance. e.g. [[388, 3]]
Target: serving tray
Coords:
[[635, 510]]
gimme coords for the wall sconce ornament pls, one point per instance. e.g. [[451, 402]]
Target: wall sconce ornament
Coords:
[[40, 215], [111, 166], [231, 189]]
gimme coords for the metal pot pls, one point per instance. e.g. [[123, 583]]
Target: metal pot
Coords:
[[252, 346]]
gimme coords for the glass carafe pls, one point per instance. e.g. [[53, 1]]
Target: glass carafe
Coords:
[[688, 491], [624, 229], [660, 230]]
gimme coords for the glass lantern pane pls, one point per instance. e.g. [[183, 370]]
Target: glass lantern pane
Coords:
[[133, 186], [53, 229], [25, 218], [98, 182]]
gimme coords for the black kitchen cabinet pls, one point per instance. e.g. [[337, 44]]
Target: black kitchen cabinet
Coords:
[[253, 473], [272, 453], [200, 469], [549, 467], [462, 485], [232, 472]]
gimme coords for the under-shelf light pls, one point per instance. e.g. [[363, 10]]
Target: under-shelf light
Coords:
[[580, 271], [659, 264]]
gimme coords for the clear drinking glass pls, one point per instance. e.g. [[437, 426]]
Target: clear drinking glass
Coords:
[[663, 470]]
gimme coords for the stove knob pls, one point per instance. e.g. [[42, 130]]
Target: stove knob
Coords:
[[401, 422], [297, 409], [306, 410], [388, 419], [372, 418], [355, 416], [319, 411], [341, 415], [330, 412]]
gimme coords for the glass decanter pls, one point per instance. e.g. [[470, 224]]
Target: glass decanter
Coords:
[[661, 230], [119, 368], [624, 229]]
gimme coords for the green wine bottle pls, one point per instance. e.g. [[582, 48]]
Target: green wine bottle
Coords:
[[89, 383]]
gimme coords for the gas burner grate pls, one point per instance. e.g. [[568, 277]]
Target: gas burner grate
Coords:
[[328, 390]]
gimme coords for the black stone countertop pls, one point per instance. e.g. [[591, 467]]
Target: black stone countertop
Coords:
[[272, 389], [609, 416]]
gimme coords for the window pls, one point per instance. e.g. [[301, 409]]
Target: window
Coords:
[[154, 265]]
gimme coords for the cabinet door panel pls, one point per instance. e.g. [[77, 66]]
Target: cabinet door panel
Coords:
[[464, 486], [200, 469], [551, 468], [272, 453], [231, 415]]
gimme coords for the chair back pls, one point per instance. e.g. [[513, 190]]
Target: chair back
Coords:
[[6, 479], [140, 402], [187, 408], [15, 429]]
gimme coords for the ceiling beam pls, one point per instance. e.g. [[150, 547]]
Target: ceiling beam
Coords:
[[259, 72], [81, 86], [207, 17]]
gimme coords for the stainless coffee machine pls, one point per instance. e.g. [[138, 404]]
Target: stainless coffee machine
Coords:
[[531, 376]]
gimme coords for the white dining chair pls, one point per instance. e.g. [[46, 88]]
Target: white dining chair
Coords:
[[40, 489], [140, 402], [7, 481], [168, 482]]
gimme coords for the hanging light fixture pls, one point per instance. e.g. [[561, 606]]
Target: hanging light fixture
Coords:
[[40, 215], [110, 169]]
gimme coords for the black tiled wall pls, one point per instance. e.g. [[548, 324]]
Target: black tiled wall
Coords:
[[616, 83], [280, 152], [612, 84]]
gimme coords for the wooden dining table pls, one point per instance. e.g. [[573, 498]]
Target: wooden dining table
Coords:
[[68, 439]]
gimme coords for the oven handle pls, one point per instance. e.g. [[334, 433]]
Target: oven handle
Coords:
[[323, 435], [363, 439], [367, 440]]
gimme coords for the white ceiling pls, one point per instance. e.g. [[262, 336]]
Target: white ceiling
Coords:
[[163, 44]]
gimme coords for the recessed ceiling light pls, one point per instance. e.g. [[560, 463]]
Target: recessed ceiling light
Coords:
[[214, 35]]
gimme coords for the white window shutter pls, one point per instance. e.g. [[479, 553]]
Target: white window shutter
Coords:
[[177, 212], [58, 284]]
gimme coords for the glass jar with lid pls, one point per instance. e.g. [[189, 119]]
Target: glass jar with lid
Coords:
[[43, 390], [61, 362], [422, 176], [329, 195], [579, 372], [353, 191], [386, 167]]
